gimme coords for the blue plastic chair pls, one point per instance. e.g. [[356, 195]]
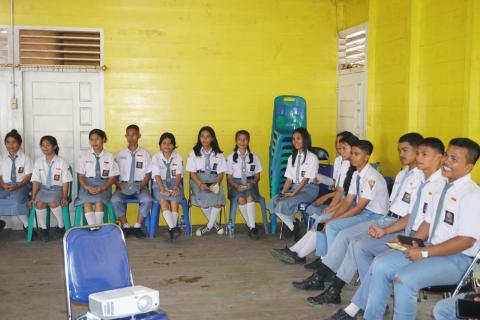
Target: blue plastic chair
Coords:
[[155, 218], [95, 261], [258, 199]]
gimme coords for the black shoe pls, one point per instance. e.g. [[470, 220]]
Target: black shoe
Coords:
[[253, 234], [282, 253], [127, 232], [171, 233], [296, 230], [139, 233], [341, 315], [44, 235], [314, 282], [34, 233], [313, 265], [329, 296], [59, 232], [2, 224], [286, 232]]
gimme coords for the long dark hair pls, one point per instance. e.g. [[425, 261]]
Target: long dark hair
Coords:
[[250, 154], [98, 132], [214, 144], [15, 135], [307, 143], [53, 141], [348, 179], [170, 136]]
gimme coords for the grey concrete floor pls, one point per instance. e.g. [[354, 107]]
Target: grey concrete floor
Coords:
[[200, 278]]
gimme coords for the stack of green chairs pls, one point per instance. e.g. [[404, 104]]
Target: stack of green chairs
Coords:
[[290, 113]]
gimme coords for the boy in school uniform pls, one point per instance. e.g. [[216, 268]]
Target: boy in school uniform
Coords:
[[429, 157], [451, 232], [339, 259], [134, 165]]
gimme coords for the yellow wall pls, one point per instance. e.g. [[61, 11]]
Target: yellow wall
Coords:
[[423, 71], [179, 65]]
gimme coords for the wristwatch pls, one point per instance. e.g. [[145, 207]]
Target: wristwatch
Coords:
[[424, 254]]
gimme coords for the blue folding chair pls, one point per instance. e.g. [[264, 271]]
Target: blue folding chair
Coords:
[[155, 218], [96, 261]]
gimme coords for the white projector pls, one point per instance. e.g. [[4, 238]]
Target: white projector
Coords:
[[123, 302]]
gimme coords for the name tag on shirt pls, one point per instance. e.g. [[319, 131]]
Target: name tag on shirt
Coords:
[[425, 207], [20, 169], [302, 174], [174, 172], [56, 177], [252, 167], [214, 168], [105, 173], [449, 217], [139, 165], [406, 197]]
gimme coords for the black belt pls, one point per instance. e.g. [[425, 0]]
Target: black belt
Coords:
[[211, 172], [394, 215], [129, 181]]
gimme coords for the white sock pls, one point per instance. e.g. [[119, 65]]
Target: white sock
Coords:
[[286, 219], [213, 217], [126, 226], [252, 215], [137, 225], [167, 215], [24, 220], [42, 218], [243, 211], [175, 218], [352, 310], [90, 216], [57, 212], [206, 212], [309, 246], [300, 243], [99, 217]]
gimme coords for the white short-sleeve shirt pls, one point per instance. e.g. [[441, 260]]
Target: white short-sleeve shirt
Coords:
[[308, 168], [404, 194], [23, 167], [142, 163], [459, 214], [59, 172], [235, 168], [372, 187], [343, 174], [160, 169], [87, 162], [217, 163], [433, 186], [337, 164]]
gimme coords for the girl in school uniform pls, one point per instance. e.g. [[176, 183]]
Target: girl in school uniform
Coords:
[[206, 166], [50, 180], [243, 174], [167, 173], [302, 168], [15, 174], [96, 171]]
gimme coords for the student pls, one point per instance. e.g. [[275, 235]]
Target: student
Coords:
[[298, 252], [429, 157], [451, 230], [50, 179], [167, 173], [134, 165], [15, 174], [339, 265], [96, 171], [302, 168], [206, 166], [243, 174]]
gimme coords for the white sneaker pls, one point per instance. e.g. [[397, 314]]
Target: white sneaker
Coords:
[[218, 229], [201, 231]]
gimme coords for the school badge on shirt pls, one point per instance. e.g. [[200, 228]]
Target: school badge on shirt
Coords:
[[371, 183]]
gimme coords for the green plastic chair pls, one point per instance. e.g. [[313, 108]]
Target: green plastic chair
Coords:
[[108, 217], [65, 213]]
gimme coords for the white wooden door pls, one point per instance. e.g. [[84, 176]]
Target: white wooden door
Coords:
[[351, 103], [5, 89], [65, 105]]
